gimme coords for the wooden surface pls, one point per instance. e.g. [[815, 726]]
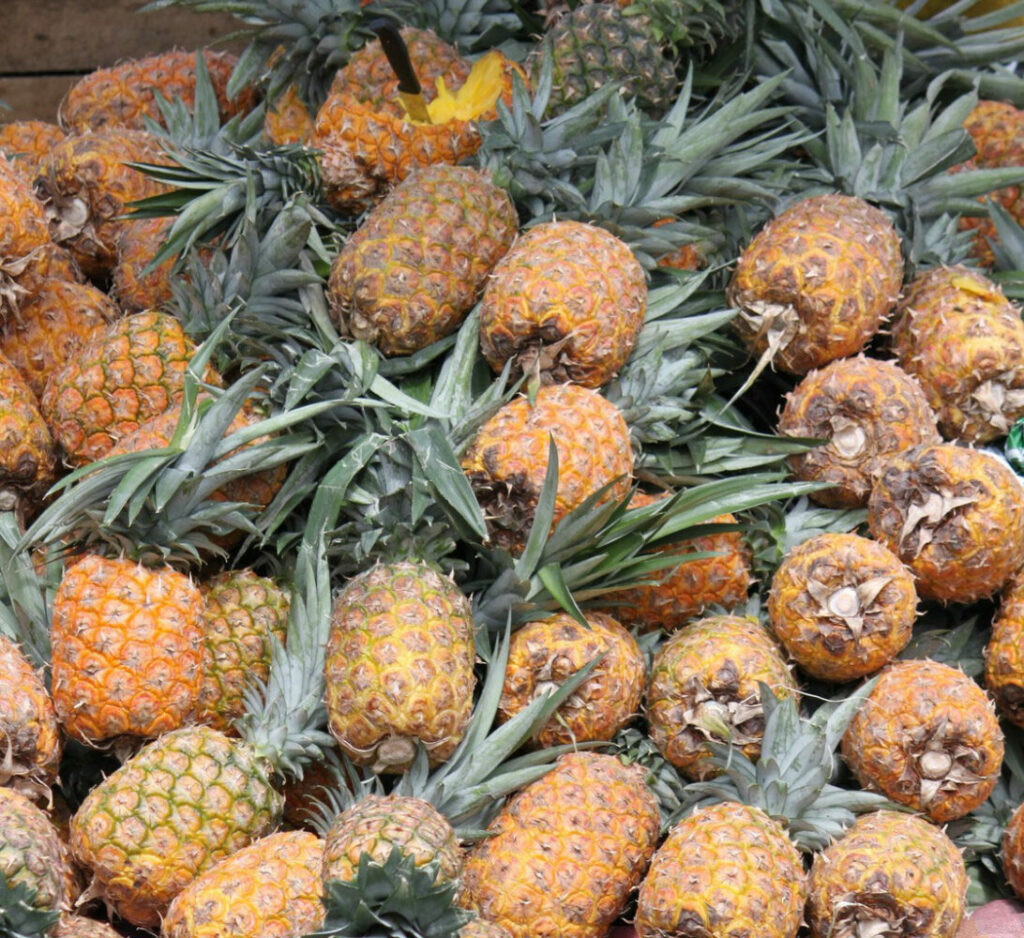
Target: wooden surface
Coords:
[[46, 44]]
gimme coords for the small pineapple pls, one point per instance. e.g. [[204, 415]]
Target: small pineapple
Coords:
[[889, 874], [1013, 851], [562, 857], [964, 342], [954, 515], [927, 737], [545, 652], [288, 120], [817, 282], [507, 461], [842, 605], [127, 649], [566, 302], [727, 869], [865, 410], [28, 458], [399, 666], [270, 888], [704, 687], [411, 272]]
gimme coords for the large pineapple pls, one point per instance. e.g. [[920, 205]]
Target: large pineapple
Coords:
[[562, 857], [566, 302], [865, 410], [889, 874], [842, 605], [399, 666], [953, 515], [817, 282], [964, 342], [411, 272], [927, 737], [507, 461]]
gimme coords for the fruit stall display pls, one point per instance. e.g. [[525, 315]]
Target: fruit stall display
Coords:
[[506, 468]]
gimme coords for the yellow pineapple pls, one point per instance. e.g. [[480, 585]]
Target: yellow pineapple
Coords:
[[127, 649], [288, 120], [890, 873], [125, 94], [1013, 851], [413, 269], [28, 459], [567, 302], [399, 666], [1004, 656], [78, 926], [865, 410], [817, 282], [726, 870], [26, 144], [704, 686], [24, 239], [135, 285], [926, 737], [964, 342], [563, 856], [545, 652], [954, 515], [842, 605], [507, 461], [270, 888]]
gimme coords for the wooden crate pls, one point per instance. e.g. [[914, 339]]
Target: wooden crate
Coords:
[[46, 44]]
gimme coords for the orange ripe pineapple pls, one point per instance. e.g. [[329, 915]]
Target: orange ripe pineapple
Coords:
[[24, 239], [1004, 656], [78, 926], [32, 741], [704, 686], [1013, 852], [399, 666], [726, 870], [85, 186], [546, 652], [964, 342], [58, 320], [288, 121], [681, 593], [927, 737], [816, 283], [842, 605], [127, 649], [508, 459], [564, 854], [26, 144], [567, 301], [478, 928], [414, 268], [135, 286], [125, 94], [242, 614], [865, 410], [132, 371], [889, 874], [271, 888], [28, 459], [954, 515]]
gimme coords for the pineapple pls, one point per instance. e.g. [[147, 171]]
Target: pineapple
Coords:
[[127, 649], [727, 870], [865, 410], [964, 342], [414, 268], [842, 605], [132, 371], [28, 459], [478, 928], [26, 144], [288, 120], [271, 888], [817, 283], [32, 741], [242, 614], [545, 652], [681, 593], [1013, 851], [24, 240], [78, 926], [507, 461], [953, 515], [1004, 667], [85, 187], [124, 95], [134, 285], [889, 874], [564, 854], [927, 737], [567, 302], [52, 325], [704, 686], [399, 666]]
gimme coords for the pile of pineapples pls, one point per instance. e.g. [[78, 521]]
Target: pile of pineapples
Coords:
[[507, 468]]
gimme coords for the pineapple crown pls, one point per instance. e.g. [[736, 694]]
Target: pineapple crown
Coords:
[[26, 593], [792, 779], [20, 916]]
